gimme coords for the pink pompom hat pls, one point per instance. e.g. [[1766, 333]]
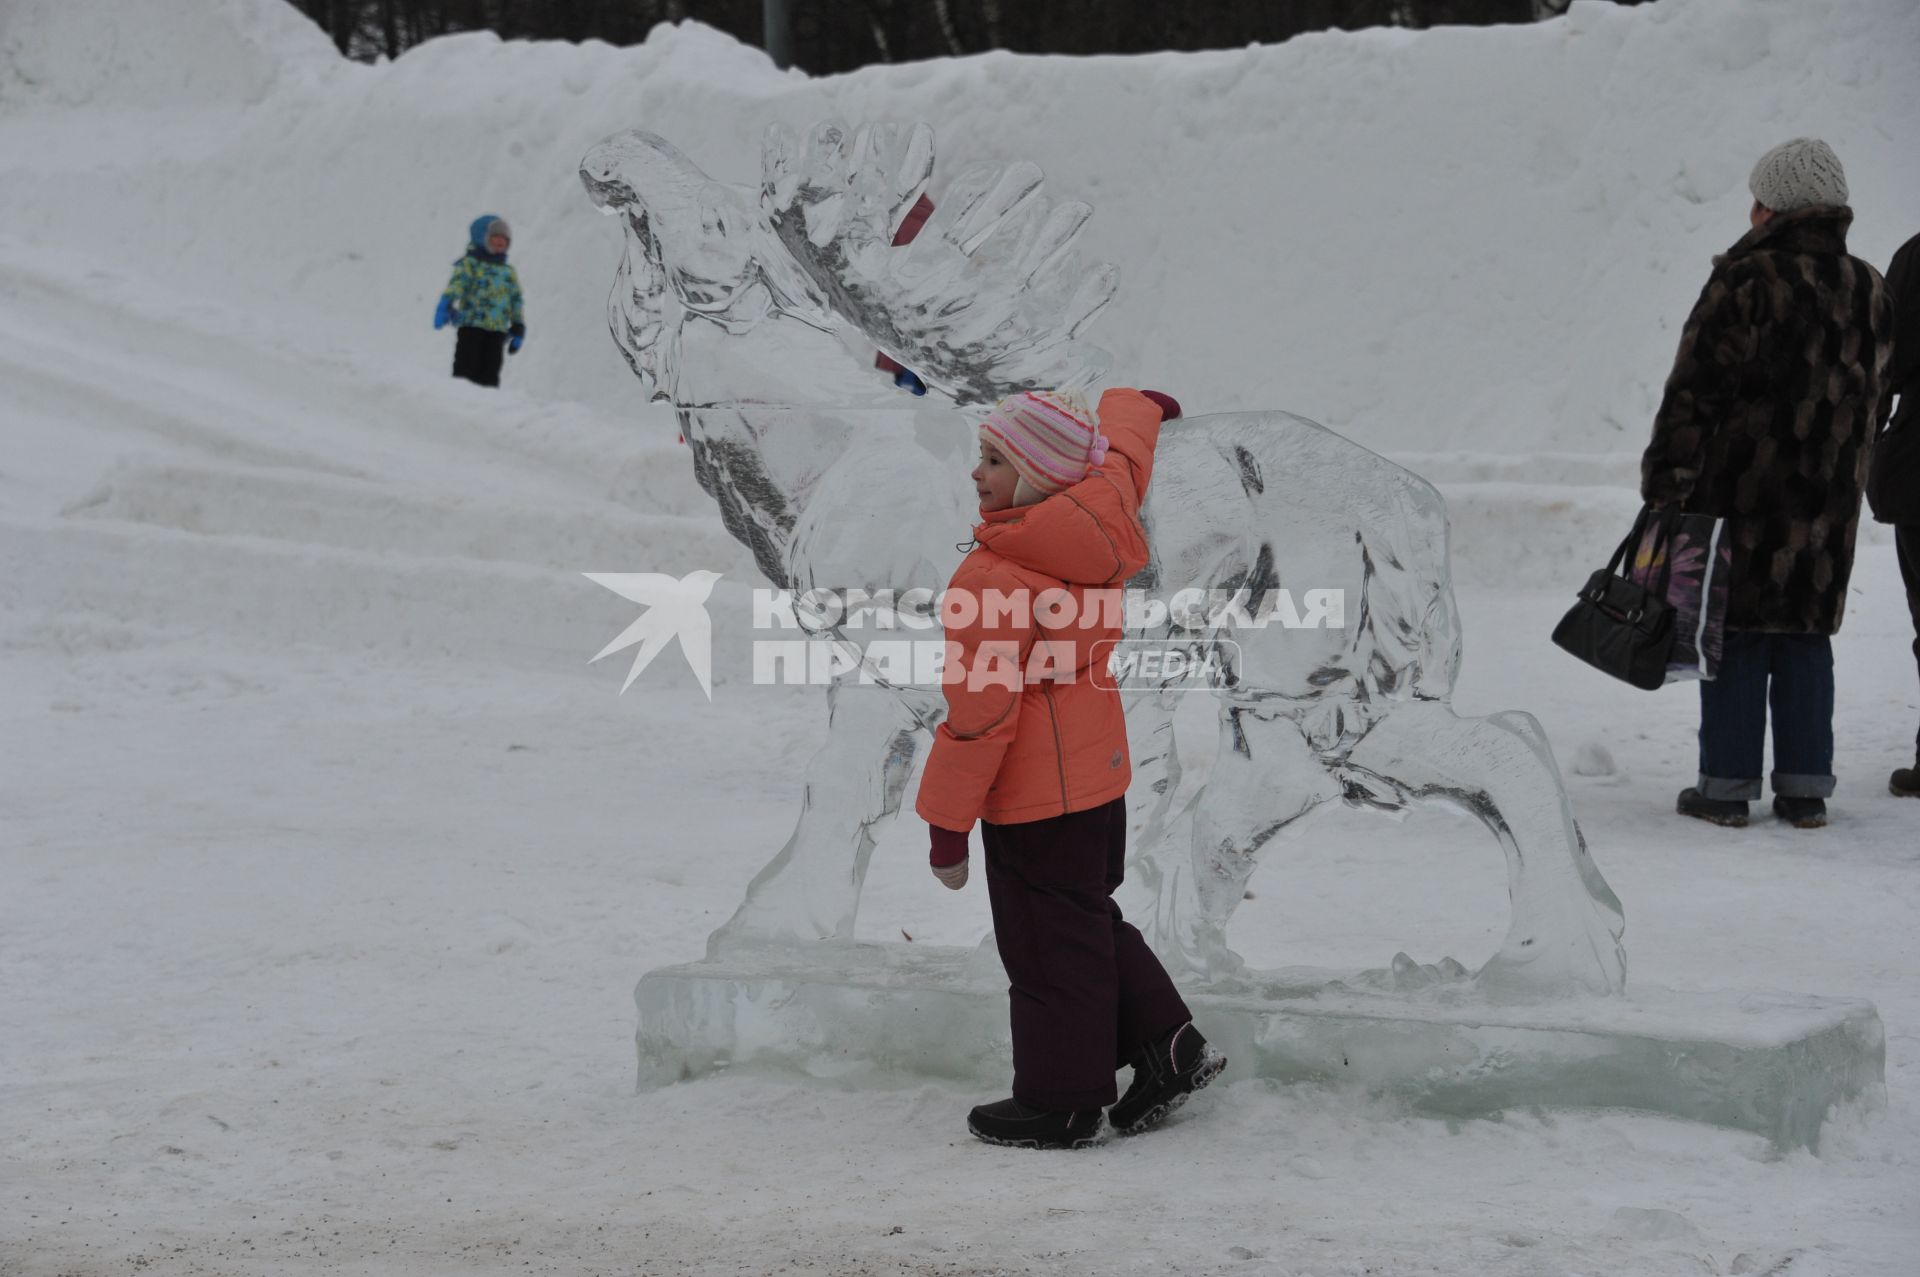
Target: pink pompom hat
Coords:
[[1051, 437]]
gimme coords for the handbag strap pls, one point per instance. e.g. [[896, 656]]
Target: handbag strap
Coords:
[[1669, 525], [1632, 539], [1664, 523]]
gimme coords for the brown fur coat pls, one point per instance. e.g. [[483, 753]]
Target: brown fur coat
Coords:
[[1770, 413]]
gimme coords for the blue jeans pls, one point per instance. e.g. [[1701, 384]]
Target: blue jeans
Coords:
[[1795, 673]]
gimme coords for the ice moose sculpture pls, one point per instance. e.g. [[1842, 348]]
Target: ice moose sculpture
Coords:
[[740, 307]]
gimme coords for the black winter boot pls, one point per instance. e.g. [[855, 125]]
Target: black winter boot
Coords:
[[1165, 1072], [1801, 813], [1905, 782], [1016, 1126], [1731, 812]]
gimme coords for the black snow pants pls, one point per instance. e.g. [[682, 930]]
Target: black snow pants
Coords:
[[1085, 990], [477, 354], [1906, 541]]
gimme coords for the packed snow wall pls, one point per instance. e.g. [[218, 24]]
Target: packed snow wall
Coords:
[[1463, 240]]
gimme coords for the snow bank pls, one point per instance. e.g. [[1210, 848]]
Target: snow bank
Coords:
[[149, 53], [1458, 241]]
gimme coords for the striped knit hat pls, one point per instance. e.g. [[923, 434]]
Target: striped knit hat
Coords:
[[1050, 437]]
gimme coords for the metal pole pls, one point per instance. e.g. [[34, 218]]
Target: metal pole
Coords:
[[777, 31]]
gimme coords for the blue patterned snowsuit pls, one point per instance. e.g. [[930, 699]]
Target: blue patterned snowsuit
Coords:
[[484, 290]]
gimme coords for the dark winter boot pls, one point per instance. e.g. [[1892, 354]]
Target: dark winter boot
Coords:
[[1801, 813], [1165, 1072], [1731, 812], [1015, 1125], [1905, 782]]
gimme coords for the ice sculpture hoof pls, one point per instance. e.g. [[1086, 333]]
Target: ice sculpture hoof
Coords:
[[732, 942], [1579, 956], [1404, 975], [1221, 963]]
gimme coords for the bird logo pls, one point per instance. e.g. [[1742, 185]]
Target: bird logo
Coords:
[[676, 608]]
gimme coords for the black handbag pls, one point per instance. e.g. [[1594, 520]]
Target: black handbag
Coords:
[[1619, 626]]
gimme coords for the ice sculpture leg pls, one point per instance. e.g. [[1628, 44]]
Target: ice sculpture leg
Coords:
[[1266, 778], [810, 890], [1566, 923], [1154, 750]]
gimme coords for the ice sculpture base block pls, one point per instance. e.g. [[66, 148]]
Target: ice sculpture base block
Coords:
[[1768, 1063]]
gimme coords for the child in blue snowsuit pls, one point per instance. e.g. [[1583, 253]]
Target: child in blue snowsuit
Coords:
[[483, 298]]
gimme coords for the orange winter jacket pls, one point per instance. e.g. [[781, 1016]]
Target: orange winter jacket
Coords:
[[1034, 727]]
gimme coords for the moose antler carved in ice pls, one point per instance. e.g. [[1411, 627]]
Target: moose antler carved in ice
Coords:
[[741, 309]]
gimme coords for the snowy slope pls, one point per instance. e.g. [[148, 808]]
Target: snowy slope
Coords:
[[327, 863], [1477, 240]]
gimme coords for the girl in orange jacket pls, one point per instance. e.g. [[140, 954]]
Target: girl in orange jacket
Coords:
[[1034, 748]]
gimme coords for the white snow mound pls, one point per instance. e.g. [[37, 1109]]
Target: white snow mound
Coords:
[[1464, 240]]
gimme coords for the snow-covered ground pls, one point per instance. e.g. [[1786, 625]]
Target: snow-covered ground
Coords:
[[328, 863]]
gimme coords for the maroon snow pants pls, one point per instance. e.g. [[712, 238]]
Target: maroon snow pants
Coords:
[[1086, 991]]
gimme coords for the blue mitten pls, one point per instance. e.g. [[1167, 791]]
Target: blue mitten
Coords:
[[516, 335], [443, 313], [906, 380]]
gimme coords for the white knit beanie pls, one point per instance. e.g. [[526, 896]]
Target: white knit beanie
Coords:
[[1798, 174]]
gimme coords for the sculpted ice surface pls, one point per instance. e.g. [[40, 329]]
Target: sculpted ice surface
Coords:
[[757, 314]]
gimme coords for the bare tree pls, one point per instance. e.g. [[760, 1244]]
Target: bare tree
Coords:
[[943, 10], [879, 34]]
